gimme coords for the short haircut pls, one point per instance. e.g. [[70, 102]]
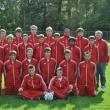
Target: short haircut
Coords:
[[25, 35], [91, 37], [99, 32], [67, 51], [47, 49], [29, 48], [34, 26], [56, 34], [72, 39], [59, 68], [10, 35], [66, 30], [30, 66], [18, 29], [41, 35], [80, 30], [13, 52], [49, 28], [3, 30]]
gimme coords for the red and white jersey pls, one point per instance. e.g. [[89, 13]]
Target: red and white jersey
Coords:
[[7, 49], [87, 72], [3, 42], [81, 42], [75, 53], [22, 48], [57, 51], [69, 70], [47, 68], [60, 87], [1, 71], [65, 41], [26, 63], [1, 53], [102, 51], [39, 50], [17, 40], [13, 72], [33, 39], [94, 53], [33, 83], [49, 40]]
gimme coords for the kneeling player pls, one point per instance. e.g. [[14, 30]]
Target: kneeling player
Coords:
[[33, 85], [59, 85]]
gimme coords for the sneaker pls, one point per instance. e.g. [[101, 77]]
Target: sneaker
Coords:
[[103, 88]]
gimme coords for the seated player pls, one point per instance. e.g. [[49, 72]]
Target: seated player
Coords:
[[59, 85], [33, 85]]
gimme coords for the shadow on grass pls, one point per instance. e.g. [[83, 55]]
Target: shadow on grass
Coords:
[[72, 103]]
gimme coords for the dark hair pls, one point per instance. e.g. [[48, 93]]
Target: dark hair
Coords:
[[79, 30]]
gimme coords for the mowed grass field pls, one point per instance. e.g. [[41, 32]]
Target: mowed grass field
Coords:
[[100, 102]]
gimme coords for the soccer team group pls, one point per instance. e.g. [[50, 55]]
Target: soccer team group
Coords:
[[51, 66]]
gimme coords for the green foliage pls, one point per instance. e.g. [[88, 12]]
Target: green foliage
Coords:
[[91, 15]]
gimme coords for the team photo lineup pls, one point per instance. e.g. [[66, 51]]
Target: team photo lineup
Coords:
[[52, 66]]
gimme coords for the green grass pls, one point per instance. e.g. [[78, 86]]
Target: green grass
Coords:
[[100, 102]]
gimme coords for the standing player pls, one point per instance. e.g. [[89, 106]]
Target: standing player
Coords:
[[39, 48], [10, 46], [18, 36], [22, 47], [49, 38], [103, 59], [81, 41], [57, 49], [75, 50], [3, 39], [64, 39], [70, 71], [13, 73], [29, 60], [33, 38], [47, 66], [87, 73]]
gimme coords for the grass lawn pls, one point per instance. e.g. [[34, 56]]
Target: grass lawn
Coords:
[[100, 102]]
